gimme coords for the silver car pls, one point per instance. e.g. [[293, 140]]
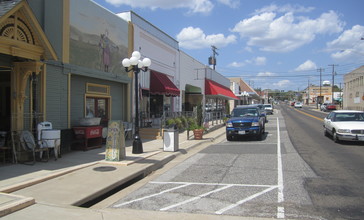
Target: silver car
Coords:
[[268, 109]]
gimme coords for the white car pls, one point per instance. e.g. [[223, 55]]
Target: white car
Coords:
[[345, 125], [268, 108], [298, 105]]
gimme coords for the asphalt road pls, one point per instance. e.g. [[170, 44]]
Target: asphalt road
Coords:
[[240, 178], [338, 193]]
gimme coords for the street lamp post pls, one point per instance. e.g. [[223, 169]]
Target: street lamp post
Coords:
[[136, 65]]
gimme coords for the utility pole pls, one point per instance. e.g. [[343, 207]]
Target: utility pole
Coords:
[[333, 80], [320, 70], [342, 98], [308, 92], [212, 60]]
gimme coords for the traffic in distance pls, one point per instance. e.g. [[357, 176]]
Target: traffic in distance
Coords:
[[249, 120]]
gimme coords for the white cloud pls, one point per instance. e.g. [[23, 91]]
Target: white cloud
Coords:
[[284, 9], [248, 49], [194, 6], [258, 61], [230, 3], [265, 74], [237, 64], [282, 83], [308, 65], [271, 32], [348, 45], [195, 38]]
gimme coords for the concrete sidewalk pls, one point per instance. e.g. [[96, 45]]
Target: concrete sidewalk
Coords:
[[80, 177]]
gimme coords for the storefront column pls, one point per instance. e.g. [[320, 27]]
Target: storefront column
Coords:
[[19, 79]]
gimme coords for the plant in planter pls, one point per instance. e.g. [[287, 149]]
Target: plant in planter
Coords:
[[197, 126], [179, 123], [184, 122], [170, 122]]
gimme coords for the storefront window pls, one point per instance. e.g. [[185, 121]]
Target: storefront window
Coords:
[[98, 107]]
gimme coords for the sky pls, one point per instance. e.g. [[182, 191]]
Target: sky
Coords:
[[278, 45]]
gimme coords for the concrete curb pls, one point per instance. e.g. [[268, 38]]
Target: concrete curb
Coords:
[[13, 203], [28, 183]]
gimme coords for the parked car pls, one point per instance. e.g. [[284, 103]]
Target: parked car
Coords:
[[292, 103], [268, 109], [298, 105], [345, 125], [245, 121], [327, 107], [262, 110]]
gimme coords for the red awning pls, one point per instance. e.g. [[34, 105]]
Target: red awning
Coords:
[[161, 84], [213, 88]]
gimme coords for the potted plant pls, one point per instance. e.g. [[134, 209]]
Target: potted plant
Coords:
[[197, 127]]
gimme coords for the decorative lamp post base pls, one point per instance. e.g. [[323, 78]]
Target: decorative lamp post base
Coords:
[[137, 145]]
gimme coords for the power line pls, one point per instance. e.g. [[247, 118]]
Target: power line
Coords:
[[278, 76]]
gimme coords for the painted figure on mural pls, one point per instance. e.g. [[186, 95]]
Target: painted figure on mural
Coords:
[[104, 44]]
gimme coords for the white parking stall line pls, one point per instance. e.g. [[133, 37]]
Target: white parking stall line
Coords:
[[150, 196], [213, 184], [195, 198], [280, 210], [245, 200]]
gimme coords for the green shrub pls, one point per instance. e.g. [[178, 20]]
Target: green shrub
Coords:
[[184, 121], [170, 121], [179, 124]]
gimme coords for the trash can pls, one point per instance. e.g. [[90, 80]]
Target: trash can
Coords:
[[170, 139]]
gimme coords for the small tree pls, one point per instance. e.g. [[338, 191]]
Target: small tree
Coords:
[[199, 116]]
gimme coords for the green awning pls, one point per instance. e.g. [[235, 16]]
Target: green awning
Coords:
[[192, 89]]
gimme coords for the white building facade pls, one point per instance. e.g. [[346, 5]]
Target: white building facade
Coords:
[[159, 86]]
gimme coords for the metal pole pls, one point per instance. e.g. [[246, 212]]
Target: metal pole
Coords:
[[320, 70], [333, 82], [308, 93], [137, 142]]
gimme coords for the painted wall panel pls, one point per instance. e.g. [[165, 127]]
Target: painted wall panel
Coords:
[[98, 37]]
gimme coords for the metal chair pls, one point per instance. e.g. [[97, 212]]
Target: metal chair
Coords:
[[6, 152], [23, 143], [128, 129]]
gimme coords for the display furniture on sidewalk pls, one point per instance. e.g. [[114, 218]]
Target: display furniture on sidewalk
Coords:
[[128, 129], [5, 147], [86, 138], [6, 153], [25, 148]]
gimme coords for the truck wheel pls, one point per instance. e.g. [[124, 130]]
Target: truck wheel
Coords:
[[260, 136], [229, 137]]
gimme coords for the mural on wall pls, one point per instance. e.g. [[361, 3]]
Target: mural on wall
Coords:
[[98, 38]]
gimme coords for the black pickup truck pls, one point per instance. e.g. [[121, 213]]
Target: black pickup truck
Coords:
[[245, 121]]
